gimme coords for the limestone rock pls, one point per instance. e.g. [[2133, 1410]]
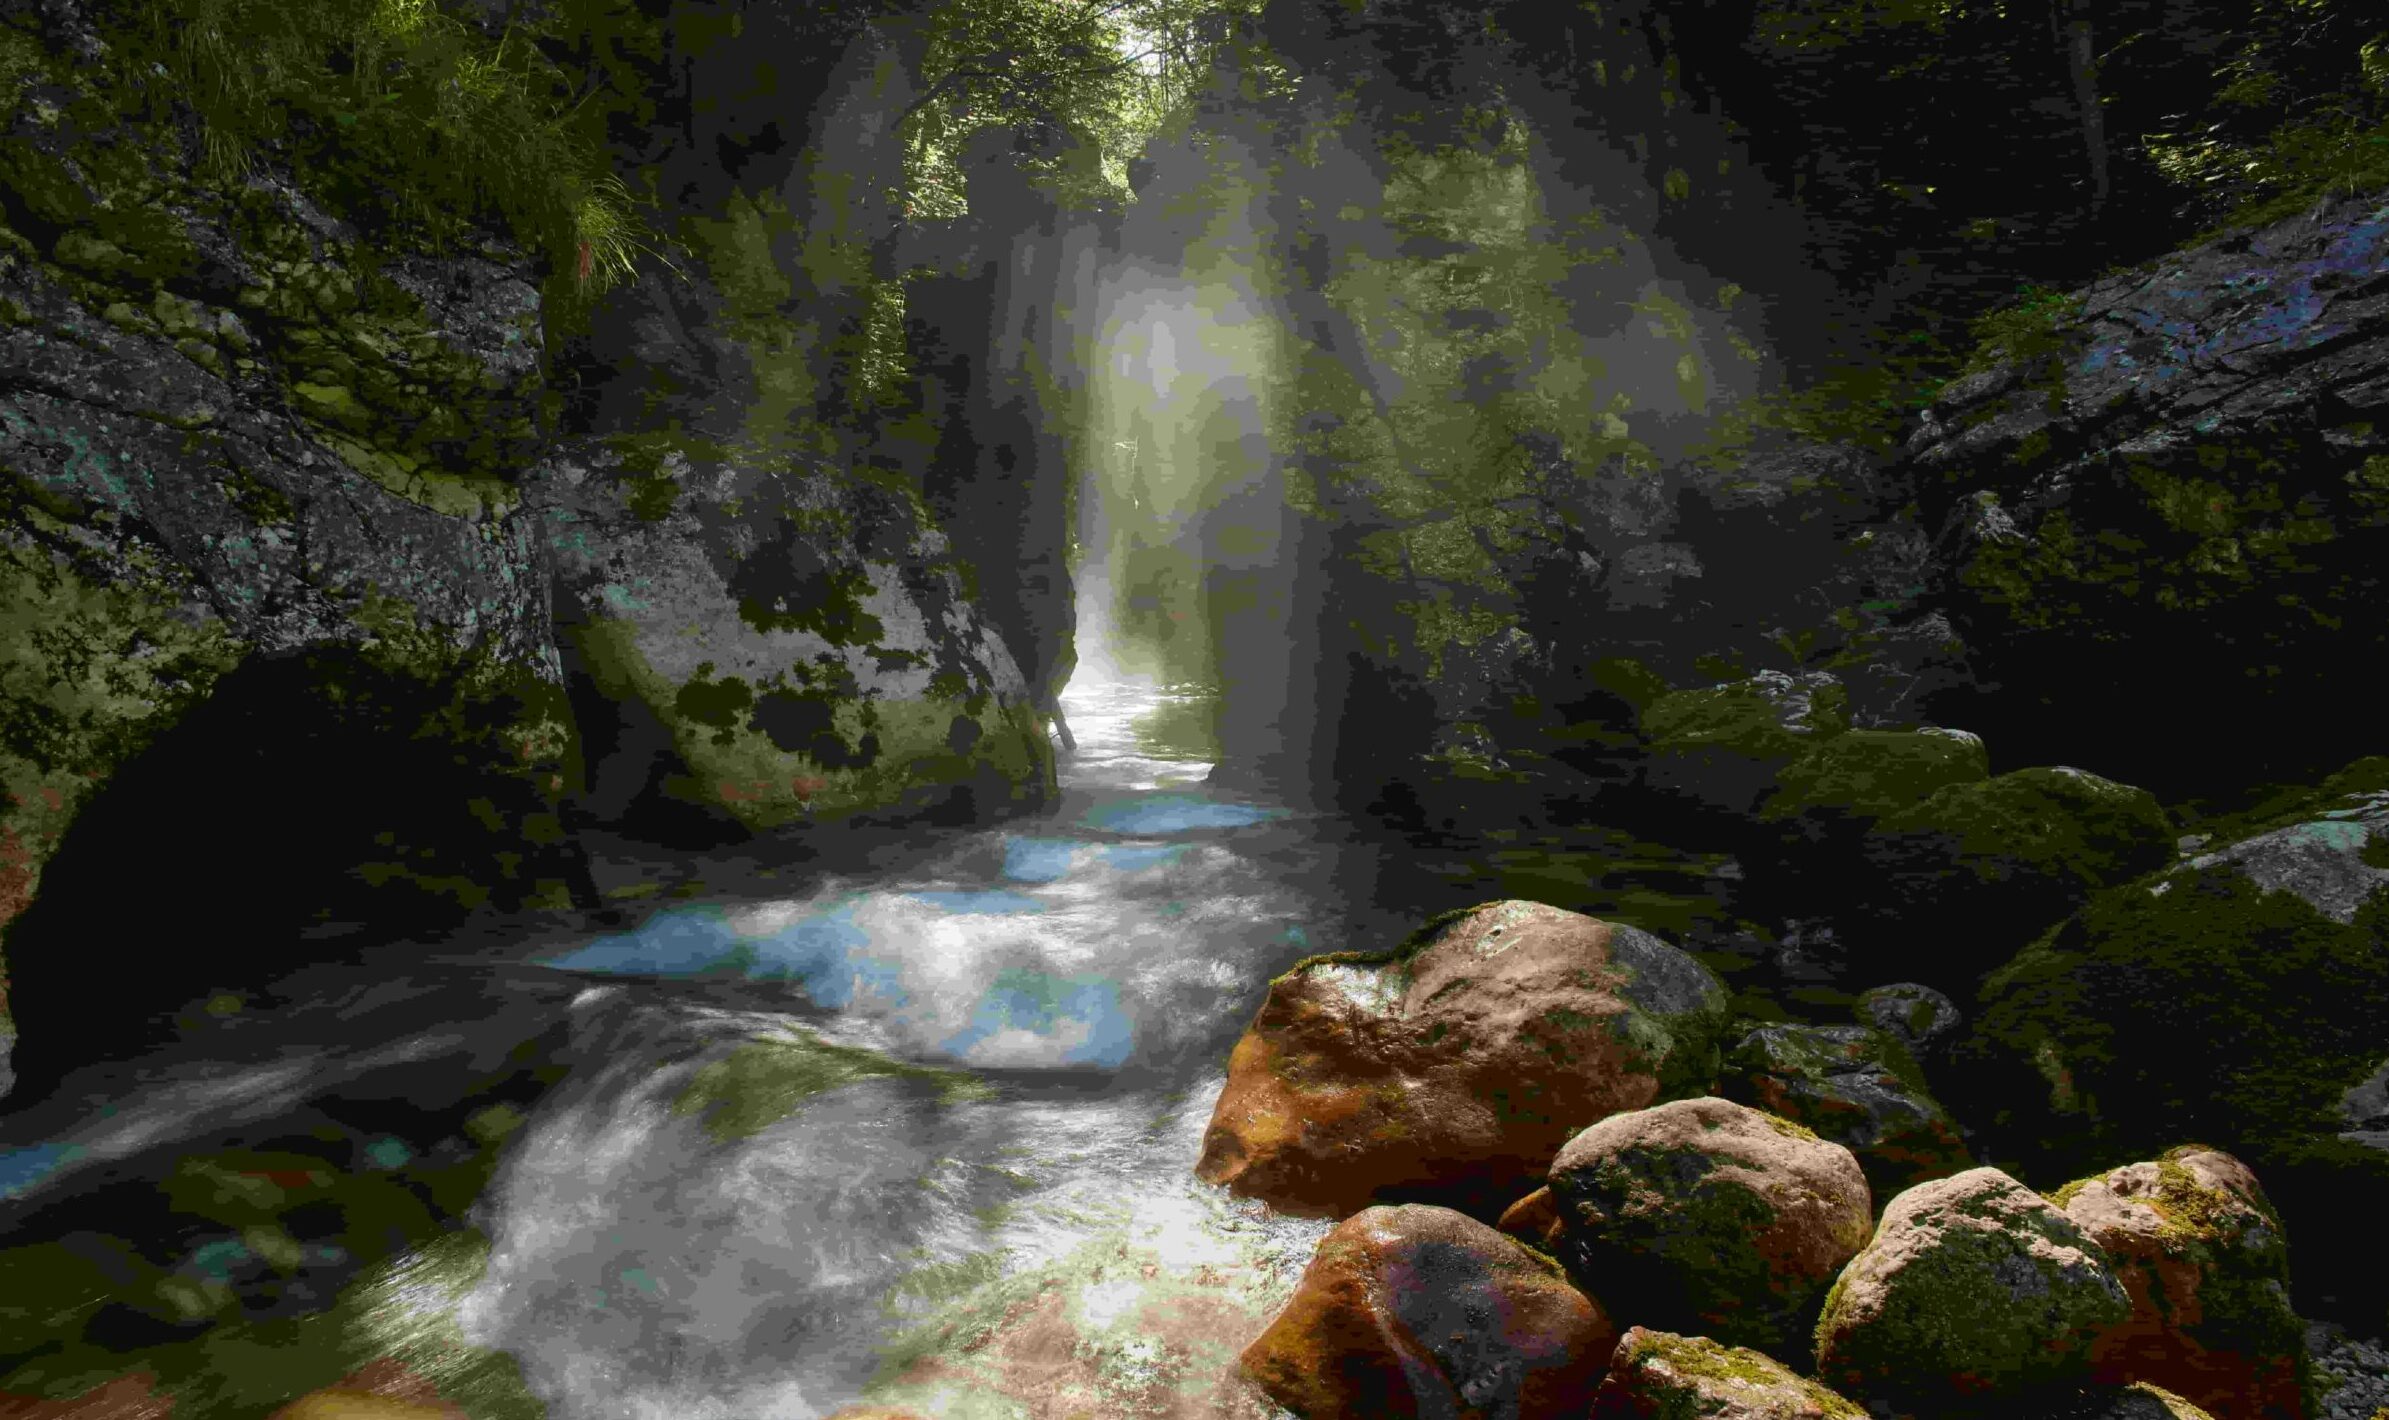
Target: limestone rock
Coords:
[[1454, 1067], [1974, 1290], [2202, 1255], [1657, 1375], [1711, 1216], [1856, 1087], [1418, 1310]]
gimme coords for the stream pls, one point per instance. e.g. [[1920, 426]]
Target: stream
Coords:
[[738, 1160]]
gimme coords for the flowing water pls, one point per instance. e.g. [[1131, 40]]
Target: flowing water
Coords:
[[739, 1160]]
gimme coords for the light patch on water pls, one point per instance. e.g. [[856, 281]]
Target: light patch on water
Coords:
[[1173, 813]]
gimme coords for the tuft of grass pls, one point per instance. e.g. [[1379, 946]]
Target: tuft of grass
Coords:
[[399, 105]]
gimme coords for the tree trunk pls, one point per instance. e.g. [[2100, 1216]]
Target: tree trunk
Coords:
[[2069, 25]]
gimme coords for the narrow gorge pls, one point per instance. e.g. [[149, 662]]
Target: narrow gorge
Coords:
[[1064, 709]]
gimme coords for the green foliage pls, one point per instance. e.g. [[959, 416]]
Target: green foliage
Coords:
[[1088, 79], [2300, 110], [2022, 330], [396, 105]]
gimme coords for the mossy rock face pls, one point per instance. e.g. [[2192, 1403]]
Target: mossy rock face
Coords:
[[1867, 775], [1983, 865], [2234, 997], [1712, 1216], [1659, 1375], [1857, 1087], [2144, 487], [1719, 751], [1975, 1292], [801, 637]]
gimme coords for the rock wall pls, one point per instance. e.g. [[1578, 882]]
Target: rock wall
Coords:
[[2169, 505], [325, 550]]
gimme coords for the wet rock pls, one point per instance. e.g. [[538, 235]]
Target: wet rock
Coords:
[[2203, 1257], [1855, 1087], [1453, 1067], [1974, 1291], [1655, 1375], [2195, 1004], [1417, 1310], [1712, 1217]]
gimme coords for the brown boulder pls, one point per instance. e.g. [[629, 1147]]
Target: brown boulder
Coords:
[[1711, 1217], [1975, 1292], [1418, 1310], [1658, 1375], [1452, 1068], [2203, 1257]]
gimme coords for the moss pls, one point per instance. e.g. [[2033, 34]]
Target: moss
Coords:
[[859, 755], [1871, 773], [2060, 824], [1952, 1324], [2280, 999], [764, 1081], [89, 674], [1740, 718], [1697, 1367]]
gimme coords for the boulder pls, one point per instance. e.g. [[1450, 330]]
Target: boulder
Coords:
[[1710, 1216], [1975, 1293], [1658, 1375], [1855, 1087], [2188, 469], [2203, 1257], [1857, 777], [1717, 752], [2235, 996], [1918, 1017], [1980, 866], [1453, 1067], [780, 648], [1418, 1310]]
